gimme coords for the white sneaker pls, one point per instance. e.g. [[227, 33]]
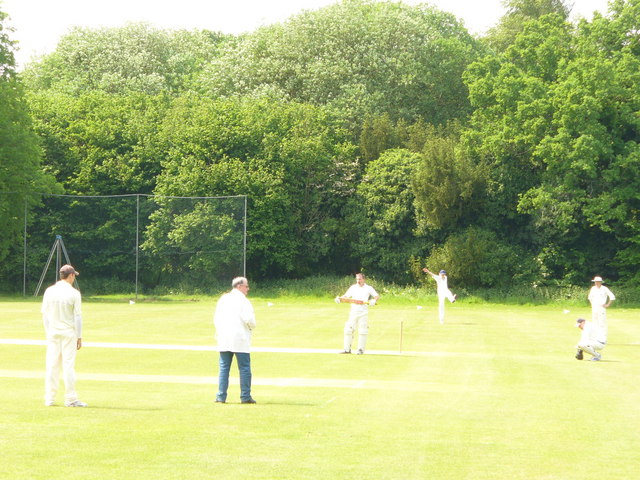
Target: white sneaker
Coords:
[[50, 403], [596, 358], [77, 403]]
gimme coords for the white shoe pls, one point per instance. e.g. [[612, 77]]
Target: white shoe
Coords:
[[50, 403], [77, 403], [360, 351], [596, 358]]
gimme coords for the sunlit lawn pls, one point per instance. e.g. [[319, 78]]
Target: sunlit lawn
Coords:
[[495, 393]]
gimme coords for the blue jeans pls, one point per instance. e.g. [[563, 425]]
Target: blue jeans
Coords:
[[244, 367]]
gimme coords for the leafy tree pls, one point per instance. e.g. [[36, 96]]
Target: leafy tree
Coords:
[[20, 153], [560, 136], [95, 144], [98, 143], [590, 185], [512, 96], [360, 57], [518, 13], [133, 58], [291, 160], [381, 215], [449, 187]]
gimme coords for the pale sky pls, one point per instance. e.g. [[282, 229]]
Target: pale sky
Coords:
[[39, 24]]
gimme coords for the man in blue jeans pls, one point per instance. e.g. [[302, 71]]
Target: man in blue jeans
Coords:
[[234, 321]]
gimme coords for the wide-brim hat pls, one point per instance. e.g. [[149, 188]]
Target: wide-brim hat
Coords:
[[597, 279]]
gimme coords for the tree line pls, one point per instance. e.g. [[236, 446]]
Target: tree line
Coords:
[[367, 135]]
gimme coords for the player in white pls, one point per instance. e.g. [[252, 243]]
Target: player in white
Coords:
[[588, 340], [62, 319], [359, 313], [443, 291], [600, 298]]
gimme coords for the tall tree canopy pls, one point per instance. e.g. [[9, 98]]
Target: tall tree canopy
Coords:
[[381, 215], [20, 153], [134, 58], [521, 159], [292, 160], [358, 56], [518, 13], [557, 120]]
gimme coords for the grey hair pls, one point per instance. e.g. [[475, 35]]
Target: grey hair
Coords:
[[238, 281]]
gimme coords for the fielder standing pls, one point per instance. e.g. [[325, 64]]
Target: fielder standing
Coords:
[[601, 298], [234, 321], [443, 291], [359, 313], [62, 319]]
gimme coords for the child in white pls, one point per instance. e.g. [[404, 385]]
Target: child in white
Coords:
[[588, 340], [358, 316], [600, 298], [443, 291]]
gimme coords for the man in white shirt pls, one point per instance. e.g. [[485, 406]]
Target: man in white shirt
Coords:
[[601, 298], [62, 320], [363, 295], [235, 320], [588, 340], [443, 291]]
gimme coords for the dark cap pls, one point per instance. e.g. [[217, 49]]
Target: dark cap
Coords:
[[442, 271], [579, 321], [67, 270]]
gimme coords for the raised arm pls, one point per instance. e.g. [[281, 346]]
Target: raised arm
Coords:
[[426, 270]]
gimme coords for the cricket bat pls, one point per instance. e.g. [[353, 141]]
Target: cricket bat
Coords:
[[352, 300]]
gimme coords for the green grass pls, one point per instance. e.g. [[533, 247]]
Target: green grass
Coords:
[[495, 393]]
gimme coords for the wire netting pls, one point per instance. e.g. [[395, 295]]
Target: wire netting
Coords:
[[130, 243]]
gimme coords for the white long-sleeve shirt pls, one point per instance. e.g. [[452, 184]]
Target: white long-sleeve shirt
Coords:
[[234, 320], [62, 310]]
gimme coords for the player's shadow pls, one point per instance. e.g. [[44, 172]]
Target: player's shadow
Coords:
[[278, 402]]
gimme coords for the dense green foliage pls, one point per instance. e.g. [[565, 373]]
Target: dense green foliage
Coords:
[[560, 135], [366, 135], [20, 153], [291, 159], [359, 57], [135, 58]]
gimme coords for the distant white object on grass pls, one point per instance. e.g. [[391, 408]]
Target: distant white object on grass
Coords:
[[419, 307], [269, 304], [131, 302], [566, 311]]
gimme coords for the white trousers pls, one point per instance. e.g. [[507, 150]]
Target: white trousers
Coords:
[[442, 296], [599, 319], [61, 353], [592, 349], [357, 319]]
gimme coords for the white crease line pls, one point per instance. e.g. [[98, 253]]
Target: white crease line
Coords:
[[209, 348], [270, 382]]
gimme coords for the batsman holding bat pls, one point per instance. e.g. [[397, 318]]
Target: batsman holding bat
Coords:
[[360, 296]]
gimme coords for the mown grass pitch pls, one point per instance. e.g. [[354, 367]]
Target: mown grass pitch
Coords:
[[495, 393]]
